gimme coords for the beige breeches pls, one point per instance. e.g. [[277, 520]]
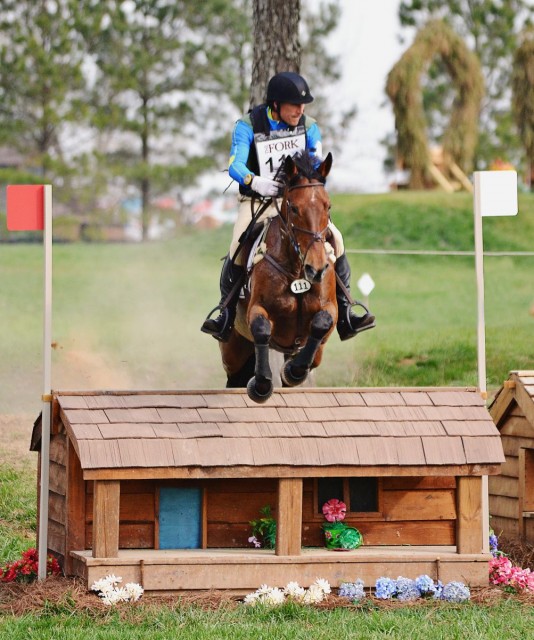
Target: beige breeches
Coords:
[[244, 216]]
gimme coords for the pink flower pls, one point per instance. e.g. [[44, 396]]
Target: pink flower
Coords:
[[334, 510]]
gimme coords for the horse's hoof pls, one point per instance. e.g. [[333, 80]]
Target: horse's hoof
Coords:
[[258, 395], [289, 379]]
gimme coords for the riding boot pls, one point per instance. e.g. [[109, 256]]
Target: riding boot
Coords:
[[221, 326], [348, 323]]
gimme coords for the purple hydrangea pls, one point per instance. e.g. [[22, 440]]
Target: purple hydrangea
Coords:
[[407, 589], [425, 585], [386, 588], [439, 590], [455, 592], [352, 590]]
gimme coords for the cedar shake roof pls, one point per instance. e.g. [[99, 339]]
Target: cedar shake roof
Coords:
[[432, 431], [516, 394]]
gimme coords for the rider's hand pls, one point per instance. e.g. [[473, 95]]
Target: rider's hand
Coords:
[[266, 186]]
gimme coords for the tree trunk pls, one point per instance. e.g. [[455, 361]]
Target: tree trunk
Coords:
[[276, 43]]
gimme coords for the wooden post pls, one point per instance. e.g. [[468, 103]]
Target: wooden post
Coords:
[[289, 518], [106, 505], [469, 520]]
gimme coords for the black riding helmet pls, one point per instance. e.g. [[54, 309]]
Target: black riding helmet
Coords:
[[288, 86]]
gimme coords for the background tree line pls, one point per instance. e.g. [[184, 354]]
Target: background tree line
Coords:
[[101, 93]]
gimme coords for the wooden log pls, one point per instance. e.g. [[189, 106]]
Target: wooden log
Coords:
[[106, 509], [469, 533], [461, 177], [518, 426], [131, 536], [289, 517], [133, 507]]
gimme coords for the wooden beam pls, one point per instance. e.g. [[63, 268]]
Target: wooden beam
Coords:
[[469, 521], [280, 471], [106, 505], [521, 493], [289, 518], [75, 497]]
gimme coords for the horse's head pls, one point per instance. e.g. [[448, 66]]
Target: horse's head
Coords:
[[306, 212]]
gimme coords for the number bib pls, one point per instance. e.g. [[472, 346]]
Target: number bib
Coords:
[[272, 150]]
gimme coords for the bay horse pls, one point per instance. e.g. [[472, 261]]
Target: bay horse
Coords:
[[290, 300]]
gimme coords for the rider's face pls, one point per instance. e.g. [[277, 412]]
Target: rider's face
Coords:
[[291, 113]]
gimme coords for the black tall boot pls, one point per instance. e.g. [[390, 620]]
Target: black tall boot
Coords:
[[221, 326], [348, 323]]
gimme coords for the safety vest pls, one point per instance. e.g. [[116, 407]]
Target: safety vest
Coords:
[[271, 146]]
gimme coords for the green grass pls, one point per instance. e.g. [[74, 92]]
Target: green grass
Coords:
[[17, 511], [128, 316], [508, 619]]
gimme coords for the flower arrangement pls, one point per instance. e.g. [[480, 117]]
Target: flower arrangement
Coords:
[[108, 589], [503, 573], [293, 592], [263, 529], [337, 534], [406, 590], [27, 568]]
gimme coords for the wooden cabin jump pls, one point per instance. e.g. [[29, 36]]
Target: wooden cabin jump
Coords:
[[511, 494], [160, 487]]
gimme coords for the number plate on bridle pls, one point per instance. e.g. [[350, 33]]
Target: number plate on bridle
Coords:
[[300, 286]]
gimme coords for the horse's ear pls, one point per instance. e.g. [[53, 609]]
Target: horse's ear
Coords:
[[326, 165], [290, 168]]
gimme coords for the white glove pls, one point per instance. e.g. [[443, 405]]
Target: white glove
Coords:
[[266, 186]]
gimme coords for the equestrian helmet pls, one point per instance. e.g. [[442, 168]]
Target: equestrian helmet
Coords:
[[288, 86]]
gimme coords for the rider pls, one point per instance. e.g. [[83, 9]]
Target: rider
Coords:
[[260, 141]]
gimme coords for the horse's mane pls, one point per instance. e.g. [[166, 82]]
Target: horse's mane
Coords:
[[304, 161]]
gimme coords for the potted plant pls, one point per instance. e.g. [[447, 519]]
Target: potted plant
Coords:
[[338, 536]]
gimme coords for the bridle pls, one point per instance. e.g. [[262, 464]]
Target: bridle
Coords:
[[289, 227]]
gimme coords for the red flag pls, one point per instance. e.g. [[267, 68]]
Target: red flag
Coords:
[[25, 207]]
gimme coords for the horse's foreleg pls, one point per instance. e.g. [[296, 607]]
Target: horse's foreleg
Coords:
[[260, 387], [295, 371]]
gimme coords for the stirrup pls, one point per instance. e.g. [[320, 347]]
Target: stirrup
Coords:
[[221, 334], [365, 322]]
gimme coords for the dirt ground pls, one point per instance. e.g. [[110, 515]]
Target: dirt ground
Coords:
[[15, 434]]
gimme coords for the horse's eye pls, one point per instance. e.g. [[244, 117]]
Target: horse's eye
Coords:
[[294, 209]]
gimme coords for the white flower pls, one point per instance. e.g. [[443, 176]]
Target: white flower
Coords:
[[275, 597], [313, 595], [264, 589], [251, 599], [323, 584], [134, 591], [112, 579], [100, 585], [294, 591]]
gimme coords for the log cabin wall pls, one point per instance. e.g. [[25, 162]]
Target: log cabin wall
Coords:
[[413, 511], [511, 494]]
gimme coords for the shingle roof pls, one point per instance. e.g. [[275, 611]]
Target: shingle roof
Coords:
[[518, 390], [225, 431]]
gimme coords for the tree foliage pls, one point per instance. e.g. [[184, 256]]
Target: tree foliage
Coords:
[[154, 71], [41, 80]]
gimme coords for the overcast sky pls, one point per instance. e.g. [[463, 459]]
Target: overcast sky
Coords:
[[367, 44]]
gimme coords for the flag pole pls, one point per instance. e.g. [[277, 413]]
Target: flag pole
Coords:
[[47, 384], [481, 341]]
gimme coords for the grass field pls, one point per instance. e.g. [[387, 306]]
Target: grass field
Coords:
[[128, 317]]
